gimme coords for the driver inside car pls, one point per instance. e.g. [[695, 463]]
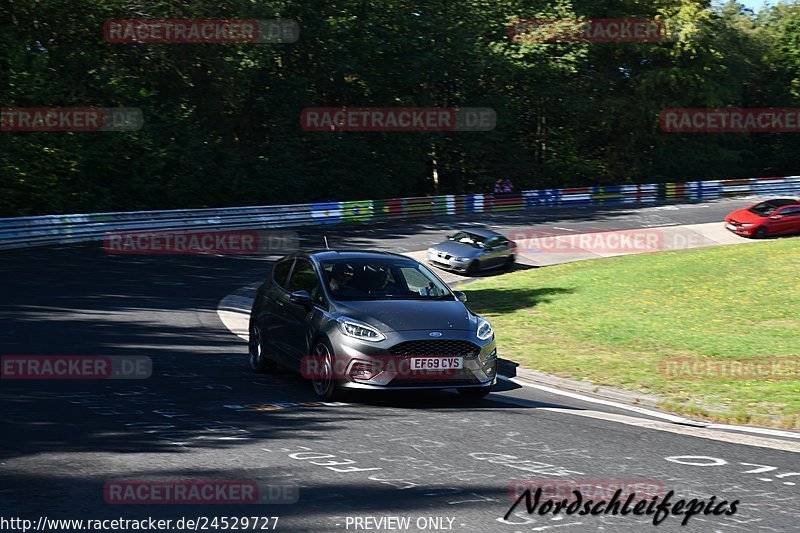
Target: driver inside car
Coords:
[[341, 275]]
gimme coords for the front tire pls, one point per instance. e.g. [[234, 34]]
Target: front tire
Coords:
[[475, 392], [473, 268], [259, 362], [761, 233], [325, 383]]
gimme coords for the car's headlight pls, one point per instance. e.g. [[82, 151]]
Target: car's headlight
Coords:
[[359, 330], [748, 225], [484, 329], [462, 258]]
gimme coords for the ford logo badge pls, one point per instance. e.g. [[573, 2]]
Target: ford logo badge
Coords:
[[435, 334]]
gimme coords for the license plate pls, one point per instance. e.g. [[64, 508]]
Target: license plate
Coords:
[[730, 227], [437, 363]]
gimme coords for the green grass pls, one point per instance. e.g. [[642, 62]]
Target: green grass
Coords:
[[611, 321]]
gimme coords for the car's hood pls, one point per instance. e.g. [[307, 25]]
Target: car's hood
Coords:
[[743, 215], [404, 315], [457, 249]]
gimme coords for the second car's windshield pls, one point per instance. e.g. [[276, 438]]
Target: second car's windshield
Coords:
[[382, 279], [767, 208], [468, 238]]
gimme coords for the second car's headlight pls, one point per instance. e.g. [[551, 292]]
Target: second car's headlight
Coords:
[[462, 258], [484, 329], [359, 330]]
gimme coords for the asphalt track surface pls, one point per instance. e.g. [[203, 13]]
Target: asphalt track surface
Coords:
[[204, 415]]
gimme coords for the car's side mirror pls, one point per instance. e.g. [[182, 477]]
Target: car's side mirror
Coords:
[[301, 298], [460, 296], [776, 217]]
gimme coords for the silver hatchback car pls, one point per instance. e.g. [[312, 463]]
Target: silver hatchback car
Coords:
[[369, 321]]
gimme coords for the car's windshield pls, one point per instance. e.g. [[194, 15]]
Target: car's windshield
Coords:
[[472, 239], [382, 279], [765, 209]]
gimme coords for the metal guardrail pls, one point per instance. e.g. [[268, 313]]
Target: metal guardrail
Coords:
[[25, 232]]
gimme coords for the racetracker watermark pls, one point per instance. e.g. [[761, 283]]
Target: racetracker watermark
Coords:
[[181, 31], [192, 492], [731, 120], [63, 119], [769, 368], [398, 119], [229, 242], [609, 242], [75, 367], [589, 30], [423, 367]]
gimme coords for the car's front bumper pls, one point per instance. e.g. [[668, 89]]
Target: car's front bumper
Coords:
[[447, 262], [738, 229], [428, 386], [391, 361]]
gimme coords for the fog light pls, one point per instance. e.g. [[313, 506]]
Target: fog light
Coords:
[[361, 370], [490, 364]]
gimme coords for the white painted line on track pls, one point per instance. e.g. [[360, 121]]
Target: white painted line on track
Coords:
[[664, 416], [762, 431], [701, 432], [641, 410]]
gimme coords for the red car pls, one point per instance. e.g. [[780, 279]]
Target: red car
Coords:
[[770, 217]]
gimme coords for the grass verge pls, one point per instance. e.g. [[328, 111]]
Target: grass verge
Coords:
[[619, 321]]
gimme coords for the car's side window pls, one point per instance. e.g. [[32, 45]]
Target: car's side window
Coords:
[[789, 211], [281, 271], [493, 242], [304, 278]]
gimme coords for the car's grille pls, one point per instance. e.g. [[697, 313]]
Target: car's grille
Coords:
[[446, 256], [437, 348]]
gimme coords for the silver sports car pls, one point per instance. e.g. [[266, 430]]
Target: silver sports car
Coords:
[[472, 251]]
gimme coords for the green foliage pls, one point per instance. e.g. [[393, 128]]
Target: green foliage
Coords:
[[222, 121]]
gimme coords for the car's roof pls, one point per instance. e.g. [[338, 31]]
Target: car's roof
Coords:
[[482, 232]]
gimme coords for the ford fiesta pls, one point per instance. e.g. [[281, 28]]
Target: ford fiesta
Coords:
[[370, 321]]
